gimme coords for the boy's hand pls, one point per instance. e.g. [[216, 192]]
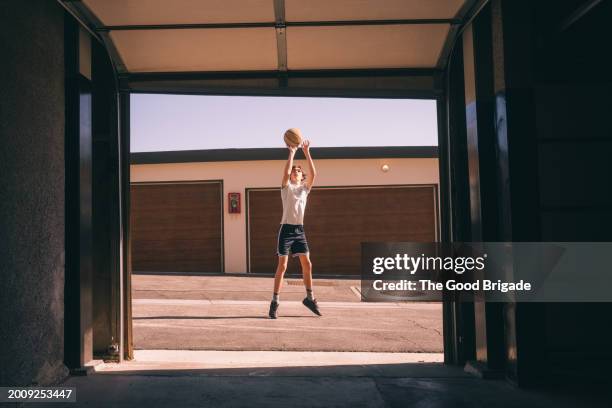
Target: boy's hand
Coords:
[[306, 146], [292, 149]]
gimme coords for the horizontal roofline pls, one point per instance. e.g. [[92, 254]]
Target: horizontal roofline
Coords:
[[216, 155]]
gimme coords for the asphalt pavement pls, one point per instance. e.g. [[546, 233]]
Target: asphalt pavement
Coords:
[[190, 312]]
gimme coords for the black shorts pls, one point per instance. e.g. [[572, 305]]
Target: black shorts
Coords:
[[291, 238]]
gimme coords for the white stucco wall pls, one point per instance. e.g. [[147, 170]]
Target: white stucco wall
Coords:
[[239, 175]]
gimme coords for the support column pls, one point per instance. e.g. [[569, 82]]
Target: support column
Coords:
[[106, 259], [78, 347], [479, 115], [125, 292], [458, 316], [513, 41]]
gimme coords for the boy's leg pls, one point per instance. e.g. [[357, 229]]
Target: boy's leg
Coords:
[[309, 301], [278, 281], [299, 248], [280, 273], [285, 240], [306, 271]]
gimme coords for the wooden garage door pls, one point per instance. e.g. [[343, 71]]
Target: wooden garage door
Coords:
[[337, 220], [177, 227]]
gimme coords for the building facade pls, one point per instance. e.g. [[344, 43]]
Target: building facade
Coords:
[[353, 200]]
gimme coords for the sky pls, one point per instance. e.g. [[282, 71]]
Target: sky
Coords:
[[196, 122]]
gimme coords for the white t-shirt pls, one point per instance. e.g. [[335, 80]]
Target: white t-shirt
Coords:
[[294, 203]]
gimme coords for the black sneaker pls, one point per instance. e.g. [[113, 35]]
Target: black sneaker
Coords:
[[273, 309], [312, 305]]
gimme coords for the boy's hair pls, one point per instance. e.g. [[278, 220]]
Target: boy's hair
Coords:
[[297, 166]]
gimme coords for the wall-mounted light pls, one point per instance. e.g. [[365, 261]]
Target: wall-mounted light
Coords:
[[233, 203], [385, 168]]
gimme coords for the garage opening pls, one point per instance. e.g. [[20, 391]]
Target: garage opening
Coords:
[[177, 226], [206, 208], [340, 219]]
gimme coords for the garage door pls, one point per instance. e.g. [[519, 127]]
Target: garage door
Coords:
[[337, 220], [177, 227]]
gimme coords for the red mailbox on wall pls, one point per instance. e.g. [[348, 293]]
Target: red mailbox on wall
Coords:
[[233, 203]]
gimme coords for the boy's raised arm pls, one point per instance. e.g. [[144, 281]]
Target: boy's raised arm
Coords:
[[311, 167], [288, 166]]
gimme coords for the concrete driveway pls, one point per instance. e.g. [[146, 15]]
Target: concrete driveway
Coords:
[[180, 312]]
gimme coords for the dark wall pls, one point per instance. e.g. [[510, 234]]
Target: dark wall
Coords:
[[574, 132], [574, 128], [544, 77], [32, 193]]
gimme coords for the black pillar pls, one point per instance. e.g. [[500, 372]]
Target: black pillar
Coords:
[[458, 315], [78, 346], [105, 196], [481, 150], [127, 349], [514, 47]]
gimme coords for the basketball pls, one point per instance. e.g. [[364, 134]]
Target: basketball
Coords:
[[293, 137]]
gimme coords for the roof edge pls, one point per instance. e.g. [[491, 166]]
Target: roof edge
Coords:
[[217, 155]]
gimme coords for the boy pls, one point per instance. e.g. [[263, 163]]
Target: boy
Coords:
[[291, 237]]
